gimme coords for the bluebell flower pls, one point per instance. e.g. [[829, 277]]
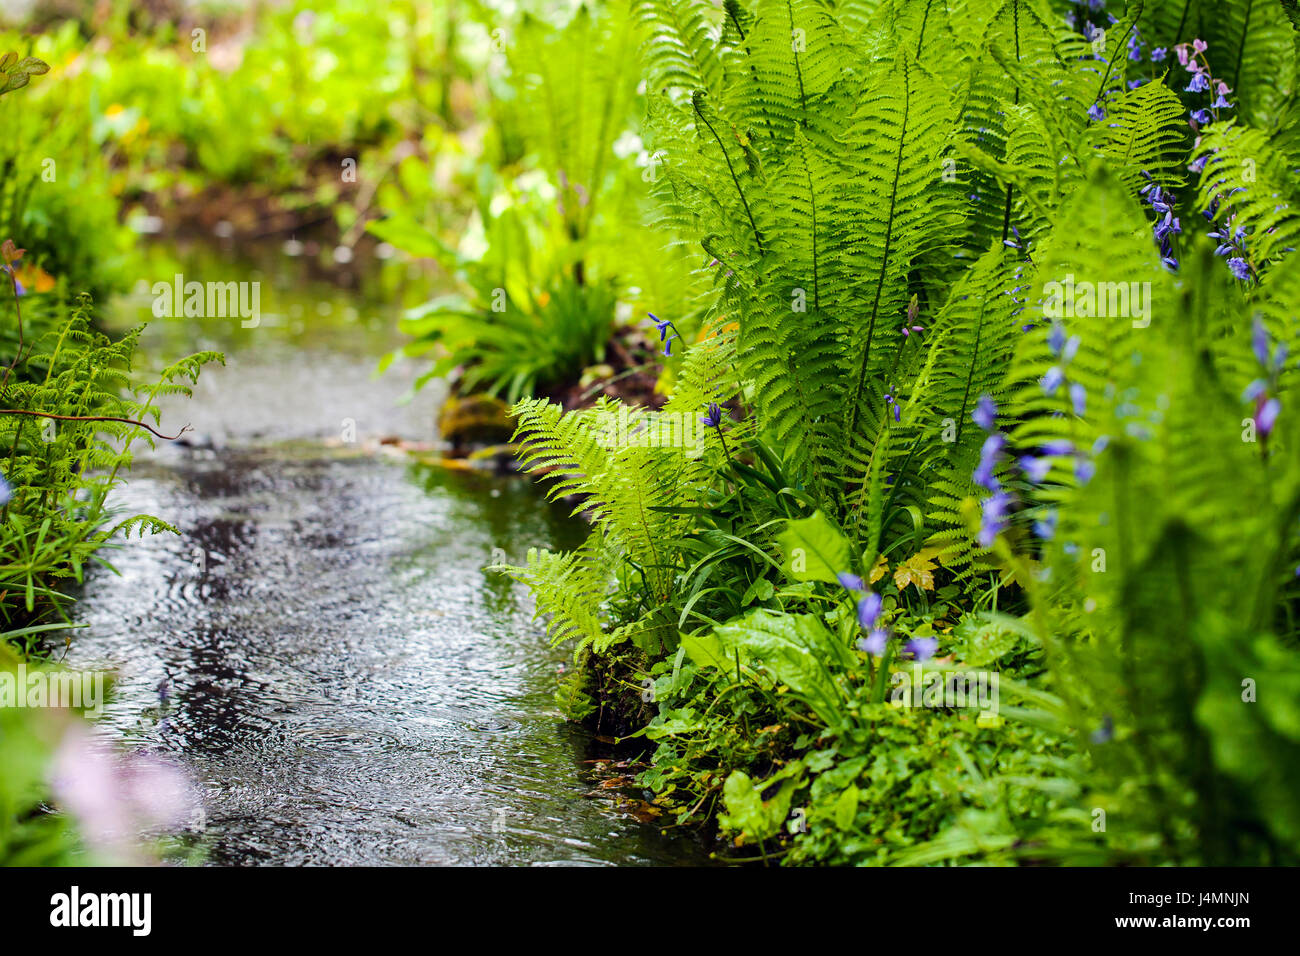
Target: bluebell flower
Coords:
[[1084, 469], [1045, 527], [668, 346], [1240, 268], [1096, 112], [869, 610], [984, 476], [1052, 380], [1035, 469], [1221, 103], [660, 324], [1199, 84], [1105, 733], [713, 416], [1266, 417], [6, 492], [1058, 446], [922, 648], [989, 454], [993, 513], [1056, 339], [850, 582], [1159, 54], [1100, 445], [875, 642], [986, 413], [1259, 341], [1203, 117], [1254, 390], [1071, 349], [1167, 226], [1078, 398]]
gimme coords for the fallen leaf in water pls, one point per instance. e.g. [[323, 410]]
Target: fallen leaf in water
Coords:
[[639, 809]]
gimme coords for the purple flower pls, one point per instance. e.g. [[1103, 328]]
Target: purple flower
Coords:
[[922, 648], [661, 324], [1084, 469], [1221, 103], [875, 642], [1266, 417], [1052, 380], [1078, 398], [1105, 733], [1058, 446], [989, 454], [1259, 341], [1056, 339], [1096, 112], [869, 610], [1203, 117], [1199, 84], [6, 491], [1167, 226], [668, 345], [1254, 390], [993, 513], [115, 798], [1158, 54], [1045, 527], [713, 416], [986, 413], [849, 582], [1240, 268], [1035, 469], [1100, 444]]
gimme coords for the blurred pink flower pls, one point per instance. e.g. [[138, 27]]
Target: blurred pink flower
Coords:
[[116, 798]]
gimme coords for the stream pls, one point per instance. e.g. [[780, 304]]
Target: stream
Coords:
[[321, 649]]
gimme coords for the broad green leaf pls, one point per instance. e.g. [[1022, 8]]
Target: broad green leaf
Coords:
[[814, 549]]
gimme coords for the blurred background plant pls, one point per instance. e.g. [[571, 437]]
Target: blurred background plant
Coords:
[[818, 240]]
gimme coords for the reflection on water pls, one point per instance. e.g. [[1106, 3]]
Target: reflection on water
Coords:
[[322, 649]]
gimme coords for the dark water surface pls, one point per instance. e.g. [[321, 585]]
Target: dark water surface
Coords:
[[342, 679]]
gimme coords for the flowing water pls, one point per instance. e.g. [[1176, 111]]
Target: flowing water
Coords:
[[321, 649]]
